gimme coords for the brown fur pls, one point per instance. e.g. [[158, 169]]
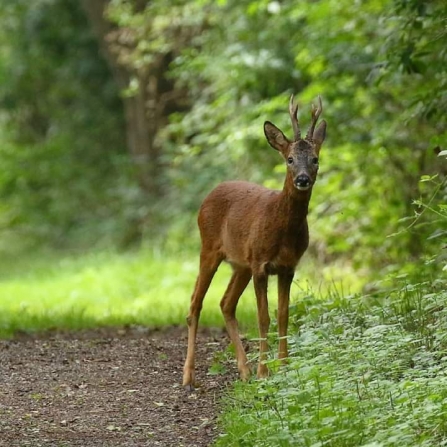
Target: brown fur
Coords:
[[260, 232]]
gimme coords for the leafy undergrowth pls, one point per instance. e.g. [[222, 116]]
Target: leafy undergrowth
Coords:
[[363, 371]]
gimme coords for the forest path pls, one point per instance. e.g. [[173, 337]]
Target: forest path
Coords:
[[109, 387]]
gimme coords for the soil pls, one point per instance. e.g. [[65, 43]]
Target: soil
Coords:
[[109, 387]]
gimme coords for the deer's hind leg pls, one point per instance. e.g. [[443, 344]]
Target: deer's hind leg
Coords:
[[239, 281], [209, 262]]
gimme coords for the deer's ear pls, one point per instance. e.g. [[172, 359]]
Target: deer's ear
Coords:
[[275, 137], [320, 135]]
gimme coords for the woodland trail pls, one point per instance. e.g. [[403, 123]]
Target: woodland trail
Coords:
[[108, 387]]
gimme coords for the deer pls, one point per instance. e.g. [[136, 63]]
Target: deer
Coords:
[[259, 232]]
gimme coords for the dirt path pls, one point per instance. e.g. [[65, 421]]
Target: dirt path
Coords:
[[108, 388]]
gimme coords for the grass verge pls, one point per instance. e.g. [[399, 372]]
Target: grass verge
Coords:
[[147, 288], [94, 289]]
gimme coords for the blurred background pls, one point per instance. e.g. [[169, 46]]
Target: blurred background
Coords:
[[118, 116]]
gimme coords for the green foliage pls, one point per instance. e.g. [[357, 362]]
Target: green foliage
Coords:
[[379, 66], [246, 60], [418, 52], [366, 371], [65, 172]]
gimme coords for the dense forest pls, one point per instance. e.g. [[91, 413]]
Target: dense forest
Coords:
[[117, 117]]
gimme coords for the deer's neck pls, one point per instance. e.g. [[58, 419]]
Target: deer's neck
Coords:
[[294, 203]]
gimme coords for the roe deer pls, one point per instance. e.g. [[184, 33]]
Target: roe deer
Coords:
[[259, 232]]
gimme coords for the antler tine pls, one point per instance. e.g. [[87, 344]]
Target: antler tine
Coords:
[[293, 110], [315, 113]]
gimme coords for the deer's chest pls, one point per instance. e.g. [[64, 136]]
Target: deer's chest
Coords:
[[284, 249]]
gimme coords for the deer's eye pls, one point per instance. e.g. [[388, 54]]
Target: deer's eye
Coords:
[[315, 160], [289, 160]]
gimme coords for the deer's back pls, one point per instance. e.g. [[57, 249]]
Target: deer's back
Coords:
[[242, 220]]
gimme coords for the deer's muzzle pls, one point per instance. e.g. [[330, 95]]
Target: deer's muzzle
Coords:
[[303, 182]]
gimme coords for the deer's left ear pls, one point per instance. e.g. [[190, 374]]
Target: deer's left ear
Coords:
[[275, 137], [319, 135]]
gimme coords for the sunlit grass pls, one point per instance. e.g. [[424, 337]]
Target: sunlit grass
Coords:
[[107, 289], [144, 288]]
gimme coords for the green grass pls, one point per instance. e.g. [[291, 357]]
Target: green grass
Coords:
[[48, 290], [105, 289], [363, 371]]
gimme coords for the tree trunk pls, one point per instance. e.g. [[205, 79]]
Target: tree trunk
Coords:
[[141, 128], [146, 110]]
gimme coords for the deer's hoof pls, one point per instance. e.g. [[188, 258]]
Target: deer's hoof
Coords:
[[245, 374], [188, 379], [189, 388], [262, 372]]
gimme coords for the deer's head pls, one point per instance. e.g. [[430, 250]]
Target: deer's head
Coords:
[[301, 154]]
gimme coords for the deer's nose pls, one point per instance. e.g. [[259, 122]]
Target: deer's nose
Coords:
[[302, 182]]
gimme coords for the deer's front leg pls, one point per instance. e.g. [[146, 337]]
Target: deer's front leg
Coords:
[[260, 282], [285, 279]]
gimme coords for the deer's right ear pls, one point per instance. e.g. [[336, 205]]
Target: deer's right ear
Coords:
[[275, 137]]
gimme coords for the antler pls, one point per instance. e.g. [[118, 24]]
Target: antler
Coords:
[[293, 110], [315, 112]]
